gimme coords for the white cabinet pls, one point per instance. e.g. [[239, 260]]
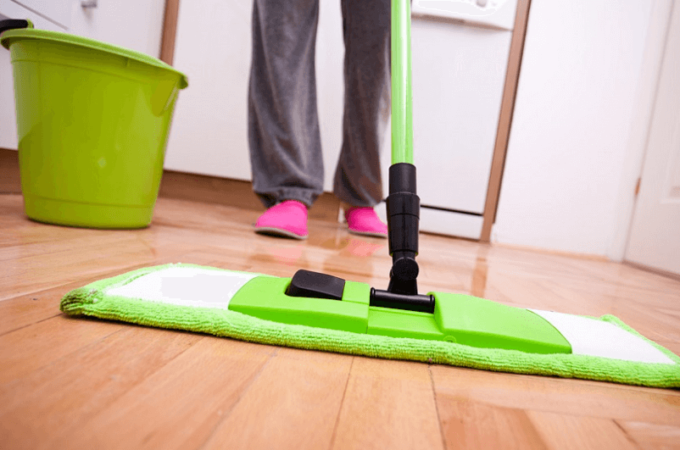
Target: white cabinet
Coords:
[[212, 47], [128, 23], [458, 77]]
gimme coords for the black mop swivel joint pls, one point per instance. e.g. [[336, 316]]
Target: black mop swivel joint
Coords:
[[403, 215]]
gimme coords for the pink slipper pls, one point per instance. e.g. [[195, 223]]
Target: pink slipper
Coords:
[[287, 219], [365, 221]]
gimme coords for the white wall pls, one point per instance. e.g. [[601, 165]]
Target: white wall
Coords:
[[585, 92]]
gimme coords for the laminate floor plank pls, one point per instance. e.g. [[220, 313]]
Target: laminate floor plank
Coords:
[[570, 432], [57, 399], [293, 404], [180, 405], [650, 436], [555, 395], [39, 272], [468, 424], [23, 310], [35, 346], [388, 404]]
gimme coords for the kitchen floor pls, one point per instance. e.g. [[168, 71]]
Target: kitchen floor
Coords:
[[79, 383]]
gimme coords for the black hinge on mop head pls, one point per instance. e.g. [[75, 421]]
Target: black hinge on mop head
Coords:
[[403, 215]]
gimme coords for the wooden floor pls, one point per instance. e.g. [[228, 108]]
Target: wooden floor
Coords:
[[76, 383]]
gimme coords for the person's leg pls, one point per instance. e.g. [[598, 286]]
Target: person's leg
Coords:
[[283, 127], [366, 27]]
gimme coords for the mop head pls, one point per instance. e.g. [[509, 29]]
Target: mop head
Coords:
[[195, 298]]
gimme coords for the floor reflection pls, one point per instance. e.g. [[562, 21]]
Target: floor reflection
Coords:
[[363, 249], [346, 254], [356, 255], [479, 272], [279, 257], [286, 255]]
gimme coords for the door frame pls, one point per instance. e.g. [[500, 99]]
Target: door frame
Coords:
[[169, 31]]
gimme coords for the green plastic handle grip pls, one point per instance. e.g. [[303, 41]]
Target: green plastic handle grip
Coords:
[[402, 111]]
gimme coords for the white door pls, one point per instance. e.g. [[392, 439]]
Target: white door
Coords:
[[655, 235]]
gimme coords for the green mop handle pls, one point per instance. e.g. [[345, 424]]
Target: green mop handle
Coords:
[[402, 115], [403, 205]]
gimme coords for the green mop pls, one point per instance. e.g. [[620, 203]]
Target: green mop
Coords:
[[322, 312]]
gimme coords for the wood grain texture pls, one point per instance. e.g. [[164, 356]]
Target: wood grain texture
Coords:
[[562, 396], [470, 424], [388, 402], [650, 436], [82, 383], [182, 404], [35, 307], [293, 404], [33, 347], [50, 403], [571, 432]]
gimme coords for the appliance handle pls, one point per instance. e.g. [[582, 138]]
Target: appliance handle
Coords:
[[11, 24]]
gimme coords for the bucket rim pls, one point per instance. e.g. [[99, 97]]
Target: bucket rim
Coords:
[[10, 36]]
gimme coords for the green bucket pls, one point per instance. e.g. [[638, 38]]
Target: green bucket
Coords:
[[92, 123]]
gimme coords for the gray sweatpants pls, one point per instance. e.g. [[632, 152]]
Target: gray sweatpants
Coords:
[[283, 126]]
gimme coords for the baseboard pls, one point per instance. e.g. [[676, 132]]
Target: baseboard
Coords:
[[548, 251], [236, 193], [185, 186], [10, 183]]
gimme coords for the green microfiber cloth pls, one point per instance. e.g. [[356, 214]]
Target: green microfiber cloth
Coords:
[[94, 300]]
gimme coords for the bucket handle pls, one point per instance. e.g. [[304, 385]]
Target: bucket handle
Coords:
[[11, 24]]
